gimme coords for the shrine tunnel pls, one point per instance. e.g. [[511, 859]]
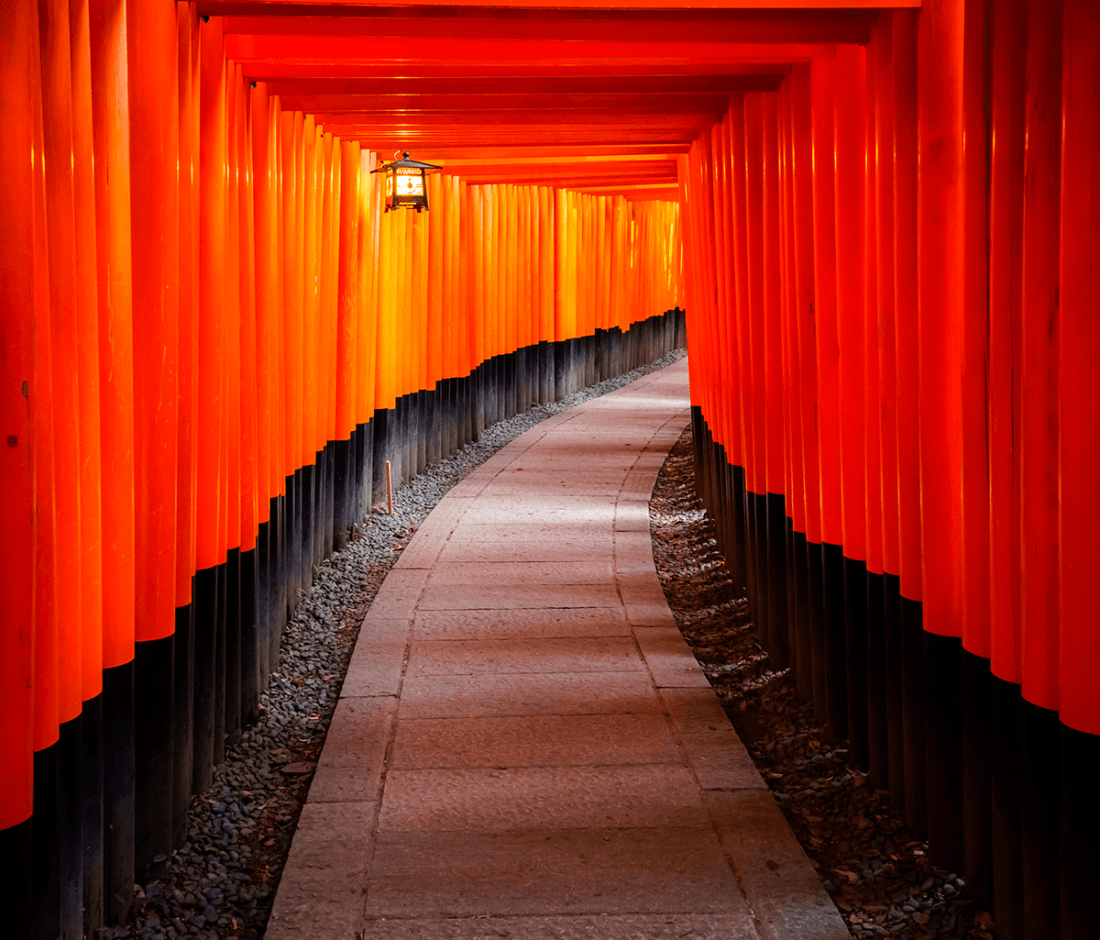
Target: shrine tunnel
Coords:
[[881, 219]]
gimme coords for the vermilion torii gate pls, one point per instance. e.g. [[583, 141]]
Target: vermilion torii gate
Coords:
[[880, 217]]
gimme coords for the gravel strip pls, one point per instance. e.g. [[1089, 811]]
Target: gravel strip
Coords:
[[878, 873], [221, 883]]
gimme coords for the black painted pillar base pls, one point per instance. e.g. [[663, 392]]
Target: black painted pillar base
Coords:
[[46, 877], [183, 719], [943, 748], [836, 717], [1079, 829], [977, 787], [154, 747], [855, 633], [17, 849], [801, 646], [382, 420], [877, 716], [343, 491], [778, 626], [92, 814], [815, 602], [253, 640], [892, 676], [204, 659], [913, 709], [118, 791], [1040, 819], [1005, 771]]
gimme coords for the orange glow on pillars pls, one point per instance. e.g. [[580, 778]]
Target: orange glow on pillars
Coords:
[[154, 155]]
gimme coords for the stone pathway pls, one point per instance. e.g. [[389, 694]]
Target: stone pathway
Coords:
[[525, 746]]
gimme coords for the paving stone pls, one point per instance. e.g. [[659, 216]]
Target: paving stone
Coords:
[[519, 573], [694, 710], [321, 890], [376, 666], [351, 764], [669, 658], [470, 485], [720, 760], [541, 512], [640, 586], [547, 482], [534, 741], [537, 622], [421, 553], [564, 531], [535, 656], [399, 593], [631, 561], [634, 552], [516, 596], [522, 550], [517, 799], [589, 871], [655, 614], [591, 693], [780, 884], [579, 927], [632, 515]]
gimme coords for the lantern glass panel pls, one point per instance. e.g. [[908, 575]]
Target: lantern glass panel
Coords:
[[410, 181]]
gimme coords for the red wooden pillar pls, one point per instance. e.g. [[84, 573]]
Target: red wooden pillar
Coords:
[[188, 302], [86, 300], [1037, 431], [112, 163], [60, 232], [154, 157], [1079, 457], [347, 344], [21, 282], [825, 298], [941, 309], [265, 248], [253, 495], [849, 103], [210, 550], [1078, 367], [1006, 191]]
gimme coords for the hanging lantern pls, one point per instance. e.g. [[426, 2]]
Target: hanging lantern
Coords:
[[405, 187]]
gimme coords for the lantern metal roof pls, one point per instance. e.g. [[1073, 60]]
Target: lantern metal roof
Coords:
[[406, 162]]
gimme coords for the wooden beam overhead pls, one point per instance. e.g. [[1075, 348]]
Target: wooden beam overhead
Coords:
[[476, 84], [506, 105], [243, 48], [531, 7], [603, 26], [749, 77]]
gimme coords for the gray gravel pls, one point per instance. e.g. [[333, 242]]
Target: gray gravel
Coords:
[[222, 881]]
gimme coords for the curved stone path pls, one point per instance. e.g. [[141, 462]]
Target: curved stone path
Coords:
[[525, 746]]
